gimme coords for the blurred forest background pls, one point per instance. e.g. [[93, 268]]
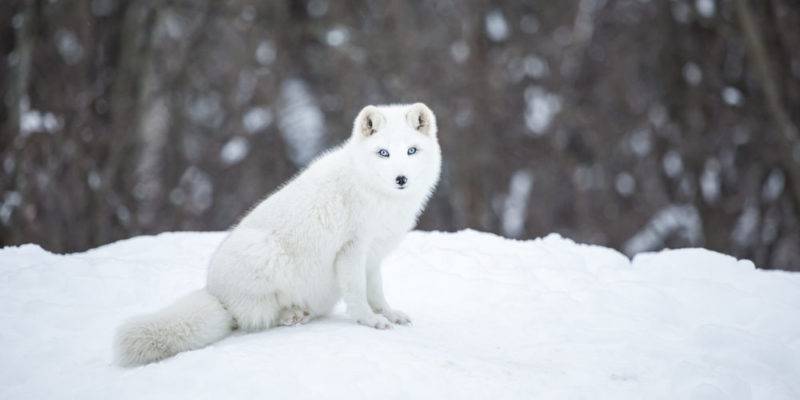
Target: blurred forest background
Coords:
[[634, 124]]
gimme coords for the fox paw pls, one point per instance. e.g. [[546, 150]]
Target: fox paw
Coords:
[[376, 321], [293, 315], [397, 317]]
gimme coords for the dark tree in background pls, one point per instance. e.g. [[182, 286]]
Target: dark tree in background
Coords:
[[628, 123]]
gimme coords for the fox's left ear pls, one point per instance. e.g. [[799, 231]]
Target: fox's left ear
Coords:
[[421, 118]]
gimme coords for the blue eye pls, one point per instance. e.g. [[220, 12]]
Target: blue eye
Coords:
[[412, 151], [383, 153]]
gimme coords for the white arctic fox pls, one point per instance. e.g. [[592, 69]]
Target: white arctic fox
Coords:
[[318, 239]]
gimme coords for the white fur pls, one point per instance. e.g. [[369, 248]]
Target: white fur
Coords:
[[318, 239]]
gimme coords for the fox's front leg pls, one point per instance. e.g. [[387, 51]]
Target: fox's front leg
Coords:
[[351, 273], [376, 298]]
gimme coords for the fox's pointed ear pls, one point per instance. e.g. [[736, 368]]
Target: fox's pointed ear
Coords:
[[421, 118], [368, 122]]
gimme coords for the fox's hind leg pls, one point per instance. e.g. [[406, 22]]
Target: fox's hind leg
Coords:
[[254, 313], [293, 315]]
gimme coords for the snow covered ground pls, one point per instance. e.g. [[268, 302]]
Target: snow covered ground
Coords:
[[493, 318]]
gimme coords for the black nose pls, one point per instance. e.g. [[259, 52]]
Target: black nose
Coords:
[[401, 180]]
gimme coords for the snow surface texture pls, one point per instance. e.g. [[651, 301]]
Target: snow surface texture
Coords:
[[493, 318]]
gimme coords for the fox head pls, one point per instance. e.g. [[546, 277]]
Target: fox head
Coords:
[[396, 150]]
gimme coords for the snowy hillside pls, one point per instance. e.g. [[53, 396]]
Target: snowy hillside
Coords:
[[493, 318]]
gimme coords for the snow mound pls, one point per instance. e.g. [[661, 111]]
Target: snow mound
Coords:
[[493, 318]]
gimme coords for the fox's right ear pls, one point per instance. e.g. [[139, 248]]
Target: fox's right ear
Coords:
[[368, 121]]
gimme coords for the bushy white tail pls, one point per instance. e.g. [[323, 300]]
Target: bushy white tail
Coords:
[[194, 321]]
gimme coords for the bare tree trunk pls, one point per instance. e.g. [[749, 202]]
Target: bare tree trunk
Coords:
[[788, 134]]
